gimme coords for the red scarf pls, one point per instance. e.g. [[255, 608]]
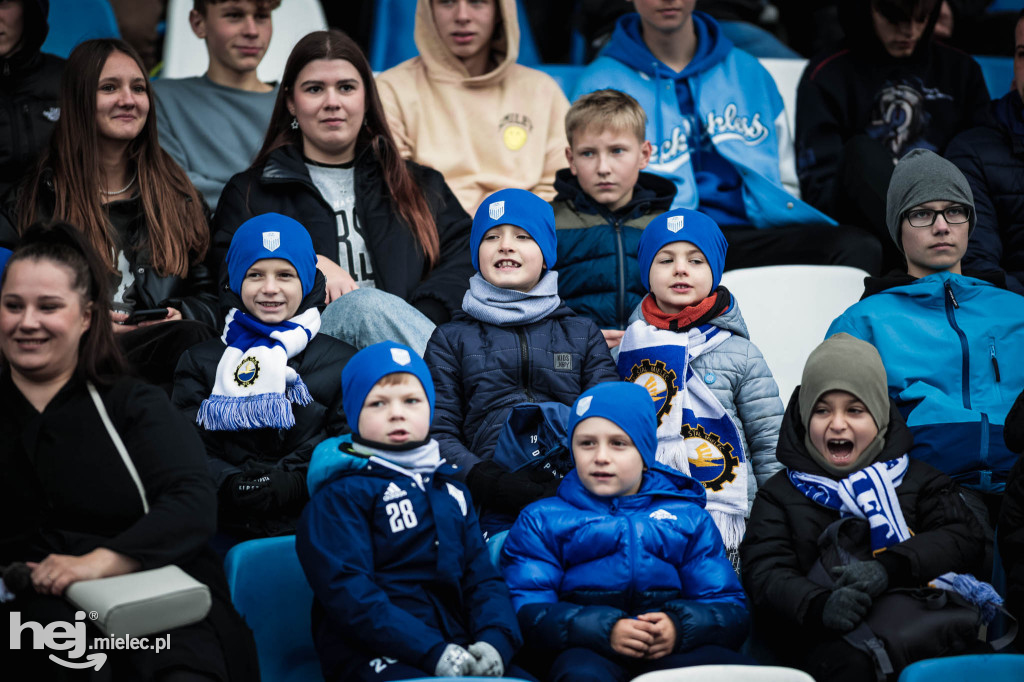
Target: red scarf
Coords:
[[676, 321]]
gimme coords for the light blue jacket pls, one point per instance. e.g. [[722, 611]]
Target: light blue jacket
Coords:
[[738, 375], [953, 348], [738, 106]]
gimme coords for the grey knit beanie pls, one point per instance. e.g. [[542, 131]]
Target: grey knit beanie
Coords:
[[919, 177], [845, 363]]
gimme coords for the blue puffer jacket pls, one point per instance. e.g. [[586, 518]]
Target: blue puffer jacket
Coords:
[[598, 275], [739, 377], [952, 348], [481, 371], [397, 564], [736, 105], [577, 563]]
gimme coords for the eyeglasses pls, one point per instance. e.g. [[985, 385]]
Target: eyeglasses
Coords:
[[925, 217]]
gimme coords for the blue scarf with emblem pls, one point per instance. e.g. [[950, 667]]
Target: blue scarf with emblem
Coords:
[[254, 386], [695, 434]]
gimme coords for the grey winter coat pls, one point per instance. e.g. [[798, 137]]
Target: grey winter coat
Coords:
[[738, 375]]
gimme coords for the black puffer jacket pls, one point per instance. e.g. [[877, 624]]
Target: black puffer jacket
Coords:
[[481, 371], [283, 186], [780, 546], [1011, 539], [991, 157], [29, 97], [231, 452], [194, 295]]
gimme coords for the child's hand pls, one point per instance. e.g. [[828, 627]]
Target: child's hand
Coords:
[[664, 634], [613, 337], [632, 637]]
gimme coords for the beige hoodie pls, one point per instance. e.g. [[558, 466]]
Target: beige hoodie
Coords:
[[505, 128]]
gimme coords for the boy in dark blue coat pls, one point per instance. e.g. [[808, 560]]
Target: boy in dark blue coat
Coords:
[[390, 542], [623, 572], [514, 341]]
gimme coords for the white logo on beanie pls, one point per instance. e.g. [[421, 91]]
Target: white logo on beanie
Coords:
[[401, 356], [496, 209], [271, 241], [583, 405], [675, 223]]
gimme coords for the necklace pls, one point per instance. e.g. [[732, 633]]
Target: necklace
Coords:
[[123, 189]]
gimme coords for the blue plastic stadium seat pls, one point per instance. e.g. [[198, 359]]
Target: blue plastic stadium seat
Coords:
[[988, 667], [269, 590], [998, 73], [72, 21], [392, 41]]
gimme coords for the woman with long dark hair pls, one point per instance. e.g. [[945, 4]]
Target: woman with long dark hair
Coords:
[[377, 222], [105, 173], [102, 476]]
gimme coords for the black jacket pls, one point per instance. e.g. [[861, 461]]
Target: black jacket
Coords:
[[856, 87], [283, 186], [1010, 530], [66, 490], [780, 546], [231, 452], [194, 295], [991, 157], [29, 97]]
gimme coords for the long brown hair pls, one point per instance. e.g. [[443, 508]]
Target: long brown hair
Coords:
[[406, 196], [177, 231], [99, 356]]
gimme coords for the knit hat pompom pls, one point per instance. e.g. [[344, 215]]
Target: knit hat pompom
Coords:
[[682, 225], [271, 235], [516, 207], [373, 363]]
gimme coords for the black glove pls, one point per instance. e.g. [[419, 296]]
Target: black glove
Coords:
[[845, 608], [503, 491], [289, 487], [249, 490], [868, 576]]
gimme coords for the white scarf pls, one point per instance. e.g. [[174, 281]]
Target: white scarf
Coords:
[[254, 386], [695, 434]]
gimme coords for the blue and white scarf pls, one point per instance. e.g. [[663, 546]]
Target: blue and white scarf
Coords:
[[695, 434], [870, 494], [254, 386]]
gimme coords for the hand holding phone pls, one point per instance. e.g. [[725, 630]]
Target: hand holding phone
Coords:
[[147, 315]]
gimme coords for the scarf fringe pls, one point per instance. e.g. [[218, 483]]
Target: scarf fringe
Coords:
[[298, 392], [731, 526], [226, 413]]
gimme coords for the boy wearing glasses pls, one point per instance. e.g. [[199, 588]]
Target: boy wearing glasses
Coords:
[[951, 343]]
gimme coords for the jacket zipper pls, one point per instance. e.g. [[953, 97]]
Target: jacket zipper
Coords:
[[992, 354], [620, 252], [965, 363], [524, 363]]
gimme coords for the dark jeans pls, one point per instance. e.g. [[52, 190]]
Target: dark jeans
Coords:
[[802, 245], [584, 664]]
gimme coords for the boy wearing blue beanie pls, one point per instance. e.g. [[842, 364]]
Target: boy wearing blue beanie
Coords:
[[391, 544], [266, 392], [514, 341], [623, 572], [718, 406]]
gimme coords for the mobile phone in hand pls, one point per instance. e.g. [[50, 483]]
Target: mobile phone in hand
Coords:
[[147, 315]]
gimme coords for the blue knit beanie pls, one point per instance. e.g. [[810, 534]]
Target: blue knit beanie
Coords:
[[271, 235], [628, 406], [522, 209], [373, 363], [682, 225]]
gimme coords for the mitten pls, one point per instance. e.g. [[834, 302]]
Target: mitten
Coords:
[[487, 661], [455, 662], [845, 609], [869, 576], [289, 487]]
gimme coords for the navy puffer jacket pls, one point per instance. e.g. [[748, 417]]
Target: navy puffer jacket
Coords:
[[577, 563], [481, 371]]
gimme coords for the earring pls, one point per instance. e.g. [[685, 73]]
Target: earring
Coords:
[[295, 123]]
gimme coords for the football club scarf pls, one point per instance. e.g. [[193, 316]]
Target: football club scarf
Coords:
[[254, 386], [870, 494], [695, 434]]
